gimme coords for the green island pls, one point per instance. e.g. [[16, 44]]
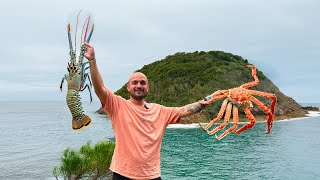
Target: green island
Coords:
[[185, 78]]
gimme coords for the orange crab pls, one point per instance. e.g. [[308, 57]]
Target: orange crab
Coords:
[[240, 97]]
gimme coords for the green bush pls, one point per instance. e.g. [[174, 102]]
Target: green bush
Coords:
[[87, 163]]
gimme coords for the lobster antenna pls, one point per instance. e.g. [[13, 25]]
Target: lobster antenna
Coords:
[[75, 35], [69, 37], [89, 37], [84, 25], [85, 34]]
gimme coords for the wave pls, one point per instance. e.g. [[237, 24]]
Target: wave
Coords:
[[313, 113], [183, 126]]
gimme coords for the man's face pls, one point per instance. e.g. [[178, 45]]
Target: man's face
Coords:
[[138, 86]]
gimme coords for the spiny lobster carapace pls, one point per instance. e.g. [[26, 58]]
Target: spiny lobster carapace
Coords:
[[240, 97]]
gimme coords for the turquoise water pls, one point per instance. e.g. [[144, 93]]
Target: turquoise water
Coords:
[[35, 134]]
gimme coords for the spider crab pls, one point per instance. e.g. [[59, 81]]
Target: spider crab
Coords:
[[235, 98]]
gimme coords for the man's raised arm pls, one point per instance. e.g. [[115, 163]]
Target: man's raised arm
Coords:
[[96, 78]]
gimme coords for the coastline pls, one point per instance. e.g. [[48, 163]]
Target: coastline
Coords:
[[196, 125]]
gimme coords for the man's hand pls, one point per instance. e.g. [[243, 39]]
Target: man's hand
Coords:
[[90, 54]]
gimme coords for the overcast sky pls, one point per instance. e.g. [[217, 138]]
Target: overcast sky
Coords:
[[280, 37]]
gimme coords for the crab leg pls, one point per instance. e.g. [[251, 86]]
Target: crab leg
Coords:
[[233, 127], [213, 97], [267, 95], [267, 111], [255, 77], [226, 120], [264, 108], [219, 116], [247, 126]]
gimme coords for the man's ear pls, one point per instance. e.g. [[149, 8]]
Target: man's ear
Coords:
[[127, 86]]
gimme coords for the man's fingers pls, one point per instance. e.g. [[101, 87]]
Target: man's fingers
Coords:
[[88, 45]]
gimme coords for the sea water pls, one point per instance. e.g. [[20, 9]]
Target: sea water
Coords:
[[35, 134]]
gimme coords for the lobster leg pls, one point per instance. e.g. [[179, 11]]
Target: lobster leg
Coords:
[[219, 116], [264, 108], [226, 120], [233, 127], [64, 78], [86, 75], [90, 81], [247, 126], [87, 86]]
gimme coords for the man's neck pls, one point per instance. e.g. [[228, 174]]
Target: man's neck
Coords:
[[138, 102]]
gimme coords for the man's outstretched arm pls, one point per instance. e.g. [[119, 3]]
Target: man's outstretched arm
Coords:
[[196, 107], [191, 109], [96, 78]]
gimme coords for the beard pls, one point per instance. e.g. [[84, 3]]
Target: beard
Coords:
[[139, 96]]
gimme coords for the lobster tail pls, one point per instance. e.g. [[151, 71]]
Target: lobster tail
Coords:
[[79, 119], [82, 122]]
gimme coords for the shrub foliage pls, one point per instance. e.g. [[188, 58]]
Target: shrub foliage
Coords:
[[90, 162]]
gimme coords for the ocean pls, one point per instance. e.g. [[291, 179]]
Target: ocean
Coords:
[[35, 134]]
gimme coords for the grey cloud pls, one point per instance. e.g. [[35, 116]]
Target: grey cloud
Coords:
[[280, 37]]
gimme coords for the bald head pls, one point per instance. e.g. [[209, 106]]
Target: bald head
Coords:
[[139, 75], [138, 86]]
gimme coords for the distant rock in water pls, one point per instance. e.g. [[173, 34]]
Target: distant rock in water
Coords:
[[310, 108], [185, 78], [101, 111]]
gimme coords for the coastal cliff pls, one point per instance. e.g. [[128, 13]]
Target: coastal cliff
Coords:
[[185, 78]]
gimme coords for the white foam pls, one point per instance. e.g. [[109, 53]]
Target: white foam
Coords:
[[313, 113], [183, 126]]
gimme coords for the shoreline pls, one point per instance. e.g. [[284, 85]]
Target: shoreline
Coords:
[[196, 125]]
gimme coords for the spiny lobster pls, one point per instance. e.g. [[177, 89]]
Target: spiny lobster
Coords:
[[76, 78]]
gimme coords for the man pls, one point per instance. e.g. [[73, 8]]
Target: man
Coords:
[[139, 126]]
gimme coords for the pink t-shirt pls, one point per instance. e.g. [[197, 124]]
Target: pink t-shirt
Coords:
[[138, 133]]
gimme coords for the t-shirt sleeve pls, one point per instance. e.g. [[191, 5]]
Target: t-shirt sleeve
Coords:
[[111, 103], [173, 114]]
